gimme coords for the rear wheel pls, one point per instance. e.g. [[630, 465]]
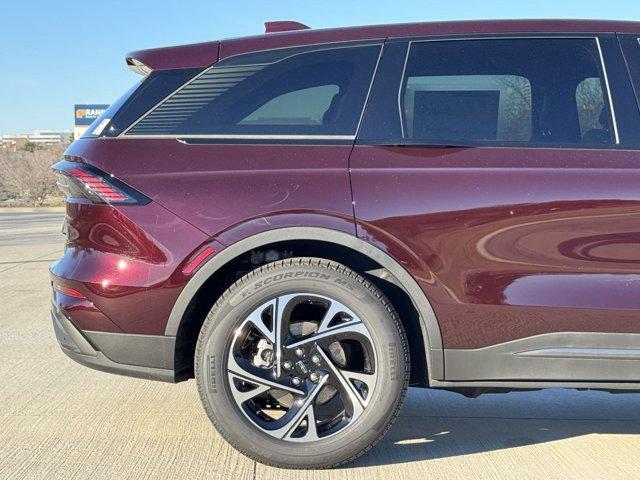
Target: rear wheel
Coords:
[[302, 364]]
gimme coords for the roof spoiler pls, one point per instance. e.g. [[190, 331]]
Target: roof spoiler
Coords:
[[284, 26], [136, 66], [197, 55]]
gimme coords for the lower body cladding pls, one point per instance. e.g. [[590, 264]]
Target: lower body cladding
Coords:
[[142, 356], [584, 360]]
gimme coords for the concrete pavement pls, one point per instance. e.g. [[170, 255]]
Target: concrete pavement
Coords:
[[61, 420]]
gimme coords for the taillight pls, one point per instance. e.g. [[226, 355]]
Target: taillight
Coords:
[[80, 180]]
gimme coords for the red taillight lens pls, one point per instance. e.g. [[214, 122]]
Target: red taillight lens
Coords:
[[197, 261], [69, 291], [85, 181], [97, 185]]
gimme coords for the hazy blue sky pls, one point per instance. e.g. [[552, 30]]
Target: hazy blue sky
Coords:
[[55, 54]]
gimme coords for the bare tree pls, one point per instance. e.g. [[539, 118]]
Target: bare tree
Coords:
[[590, 102], [516, 110], [27, 177]]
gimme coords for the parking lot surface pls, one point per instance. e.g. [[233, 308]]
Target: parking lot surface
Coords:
[[61, 420]]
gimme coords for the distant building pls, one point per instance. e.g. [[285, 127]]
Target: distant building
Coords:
[[39, 137], [84, 115], [14, 142], [48, 137]]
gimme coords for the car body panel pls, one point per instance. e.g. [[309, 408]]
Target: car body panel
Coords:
[[126, 260], [218, 186], [509, 243]]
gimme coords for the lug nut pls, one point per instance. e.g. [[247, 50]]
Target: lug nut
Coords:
[[299, 352], [314, 377], [296, 381], [287, 365], [315, 359]]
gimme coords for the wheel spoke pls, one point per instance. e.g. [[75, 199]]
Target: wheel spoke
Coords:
[[334, 309], [347, 390], [351, 329], [312, 429], [255, 319], [280, 327], [243, 370], [369, 379], [302, 411]]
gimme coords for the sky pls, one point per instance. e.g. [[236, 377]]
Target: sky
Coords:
[[56, 54]]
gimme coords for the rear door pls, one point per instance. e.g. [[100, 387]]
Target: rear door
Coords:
[[504, 174]]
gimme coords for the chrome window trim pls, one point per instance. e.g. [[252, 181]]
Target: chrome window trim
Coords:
[[331, 46], [183, 137], [402, 78], [511, 37], [612, 112]]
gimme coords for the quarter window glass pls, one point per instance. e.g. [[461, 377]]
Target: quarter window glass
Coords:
[[321, 92], [531, 91]]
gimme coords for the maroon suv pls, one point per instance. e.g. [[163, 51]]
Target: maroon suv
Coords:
[[309, 221]]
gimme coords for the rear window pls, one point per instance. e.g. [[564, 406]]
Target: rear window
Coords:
[[321, 92], [531, 91]]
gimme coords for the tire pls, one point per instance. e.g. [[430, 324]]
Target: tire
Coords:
[[359, 355]]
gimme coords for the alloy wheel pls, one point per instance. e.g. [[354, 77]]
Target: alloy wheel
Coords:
[[302, 367]]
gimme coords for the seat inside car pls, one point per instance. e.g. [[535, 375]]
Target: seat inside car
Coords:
[[332, 113], [599, 135]]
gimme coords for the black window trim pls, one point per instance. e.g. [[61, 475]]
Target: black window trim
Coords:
[[266, 138], [497, 144], [632, 66]]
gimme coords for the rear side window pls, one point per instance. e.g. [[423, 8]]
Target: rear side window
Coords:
[[320, 92], [531, 91], [141, 97]]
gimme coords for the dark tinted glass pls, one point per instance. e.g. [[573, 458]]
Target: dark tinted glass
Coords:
[[547, 91], [314, 93], [631, 47], [143, 96]]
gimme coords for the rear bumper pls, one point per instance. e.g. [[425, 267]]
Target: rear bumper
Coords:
[[141, 356]]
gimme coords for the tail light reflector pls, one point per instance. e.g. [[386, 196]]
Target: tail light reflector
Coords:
[[197, 260], [69, 291]]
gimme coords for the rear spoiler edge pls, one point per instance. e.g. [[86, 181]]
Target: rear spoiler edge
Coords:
[[199, 55]]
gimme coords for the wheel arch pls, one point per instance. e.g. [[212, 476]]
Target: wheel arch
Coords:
[[389, 271]]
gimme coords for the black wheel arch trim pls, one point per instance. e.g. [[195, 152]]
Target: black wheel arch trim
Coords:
[[428, 322]]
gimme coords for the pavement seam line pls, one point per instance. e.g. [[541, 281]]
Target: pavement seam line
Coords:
[[37, 258]]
